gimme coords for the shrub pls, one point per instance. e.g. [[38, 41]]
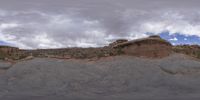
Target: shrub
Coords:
[[198, 54], [3, 55]]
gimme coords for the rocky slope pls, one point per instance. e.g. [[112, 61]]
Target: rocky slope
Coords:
[[191, 50], [146, 69], [119, 78], [150, 47]]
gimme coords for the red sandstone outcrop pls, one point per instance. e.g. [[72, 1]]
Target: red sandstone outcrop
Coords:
[[153, 46]]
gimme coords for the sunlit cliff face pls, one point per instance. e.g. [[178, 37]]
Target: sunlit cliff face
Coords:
[[91, 23]]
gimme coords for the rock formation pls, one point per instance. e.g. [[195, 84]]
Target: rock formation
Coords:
[[153, 46], [191, 50], [117, 42], [7, 51]]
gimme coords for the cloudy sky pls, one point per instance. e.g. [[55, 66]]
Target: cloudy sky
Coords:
[[89, 23]]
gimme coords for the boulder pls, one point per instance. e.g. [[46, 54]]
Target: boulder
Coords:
[[5, 65]]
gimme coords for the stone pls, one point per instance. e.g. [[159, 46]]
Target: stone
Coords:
[[5, 65]]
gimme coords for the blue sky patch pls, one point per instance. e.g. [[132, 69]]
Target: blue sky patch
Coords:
[[4, 43], [177, 39]]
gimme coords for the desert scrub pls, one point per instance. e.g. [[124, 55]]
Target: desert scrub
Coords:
[[198, 54], [3, 55]]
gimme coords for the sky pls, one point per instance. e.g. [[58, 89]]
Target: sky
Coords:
[[31, 24]]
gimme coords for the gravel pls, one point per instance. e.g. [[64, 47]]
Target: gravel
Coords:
[[119, 78]]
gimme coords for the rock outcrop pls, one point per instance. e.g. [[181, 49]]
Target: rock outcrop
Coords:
[[153, 47], [191, 50], [117, 42], [7, 51]]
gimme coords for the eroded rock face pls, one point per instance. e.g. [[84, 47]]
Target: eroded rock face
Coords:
[[119, 41], [152, 51], [153, 47], [8, 50], [191, 50]]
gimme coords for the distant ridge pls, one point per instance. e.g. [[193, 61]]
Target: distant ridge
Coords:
[[151, 47]]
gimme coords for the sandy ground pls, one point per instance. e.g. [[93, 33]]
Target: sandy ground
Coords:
[[118, 78]]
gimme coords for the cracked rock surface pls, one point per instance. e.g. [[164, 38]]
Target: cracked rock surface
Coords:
[[118, 78]]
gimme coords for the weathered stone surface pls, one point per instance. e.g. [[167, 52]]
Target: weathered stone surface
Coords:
[[191, 50], [5, 65], [116, 78], [8, 49], [119, 41], [153, 47]]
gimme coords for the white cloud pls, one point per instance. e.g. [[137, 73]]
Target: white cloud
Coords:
[[59, 31], [8, 25], [67, 31], [154, 27], [185, 39], [173, 39], [173, 23], [76, 23]]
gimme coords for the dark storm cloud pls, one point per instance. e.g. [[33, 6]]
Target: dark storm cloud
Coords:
[[66, 23]]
